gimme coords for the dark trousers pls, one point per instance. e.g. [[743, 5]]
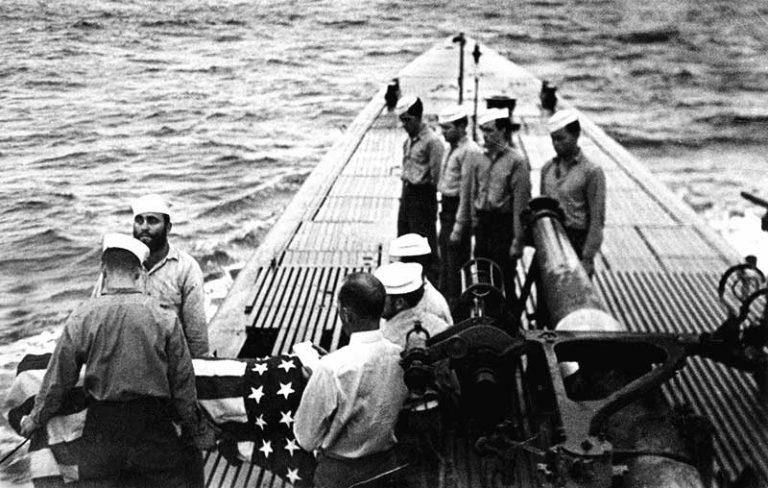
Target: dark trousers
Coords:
[[493, 238], [578, 238], [418, 214], [452, 256], [132, 444], [373, 471]]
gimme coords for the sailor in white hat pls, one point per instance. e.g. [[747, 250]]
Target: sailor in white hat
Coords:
[[463, 154], [138, 373], [413, 248], [419, 425], [114, 240], [500, 189], [172, 276], [404, 284], [422, 159], [578, 185]]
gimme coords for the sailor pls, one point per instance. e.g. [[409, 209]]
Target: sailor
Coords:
[[578, 185], [173, 276], [422, 157], [351, 402], [462, 154], [138, 376], [413, 248], [420, 425], [499, 187]]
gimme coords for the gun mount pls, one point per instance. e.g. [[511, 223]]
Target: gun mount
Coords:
[[595, 412]]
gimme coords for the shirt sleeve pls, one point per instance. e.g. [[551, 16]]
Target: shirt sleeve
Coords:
[[595, 193], [181, 377], [193, 311], [543, 191], [520, 186], [61, 375], [316, 409], [467, 192], [436, 152]]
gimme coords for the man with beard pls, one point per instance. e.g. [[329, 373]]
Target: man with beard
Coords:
[[173, 277]]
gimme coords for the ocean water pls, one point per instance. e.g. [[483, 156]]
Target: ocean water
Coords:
[[226, 106]]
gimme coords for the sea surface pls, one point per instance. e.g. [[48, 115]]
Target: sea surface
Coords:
[[226, 106]]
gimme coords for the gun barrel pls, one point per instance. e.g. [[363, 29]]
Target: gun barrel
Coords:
[[572, 302], [754, 199]]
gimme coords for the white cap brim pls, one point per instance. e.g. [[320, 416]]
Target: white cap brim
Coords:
[[492, 114], [114, 240], [561, 119], [452, 114], [150, 204], [404, 104], [409, 245], [400, 278]]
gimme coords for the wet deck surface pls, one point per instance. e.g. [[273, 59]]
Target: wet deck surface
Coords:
[[658, 270]]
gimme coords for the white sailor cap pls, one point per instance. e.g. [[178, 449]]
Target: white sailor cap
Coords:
[[114, 240], [451, 114], [409, 245], [492, 114], [561, 119], [150, 204], [405, 104], [400, 278]]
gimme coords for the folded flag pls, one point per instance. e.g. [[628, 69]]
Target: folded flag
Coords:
[[253, 401]]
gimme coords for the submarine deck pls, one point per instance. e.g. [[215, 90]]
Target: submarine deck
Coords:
[[658, 270]]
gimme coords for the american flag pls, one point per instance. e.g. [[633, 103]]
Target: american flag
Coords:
[[253, 401]]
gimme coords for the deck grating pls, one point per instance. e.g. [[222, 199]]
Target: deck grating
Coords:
[[658, 270]]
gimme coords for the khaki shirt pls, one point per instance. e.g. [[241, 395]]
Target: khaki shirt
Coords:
[[579, 187], [500, 183], [131, 348], [422, 157], [177, 283], [350, 404], [459, 157]]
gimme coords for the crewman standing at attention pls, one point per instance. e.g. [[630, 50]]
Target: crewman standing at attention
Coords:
[[138, 374], [499, 187], [578, 185], [463, 153], [422, 157], [173, 276], [413, 248], [352, 400]]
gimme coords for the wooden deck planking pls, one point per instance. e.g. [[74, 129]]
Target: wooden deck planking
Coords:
[[658, 271]]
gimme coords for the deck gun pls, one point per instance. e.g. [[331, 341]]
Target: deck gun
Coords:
[[572, 392]]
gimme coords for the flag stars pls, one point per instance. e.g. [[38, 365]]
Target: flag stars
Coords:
[[287, 365], [286, 418], [260, 422], [260, 368], [266, 448], [291, 446], [257, 393], [293, 475], [285, 390]]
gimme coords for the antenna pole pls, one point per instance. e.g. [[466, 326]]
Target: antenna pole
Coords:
[[462, 41], [476, 55]]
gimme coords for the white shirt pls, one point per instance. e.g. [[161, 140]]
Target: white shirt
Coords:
[[350, 404], [435, 303]]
